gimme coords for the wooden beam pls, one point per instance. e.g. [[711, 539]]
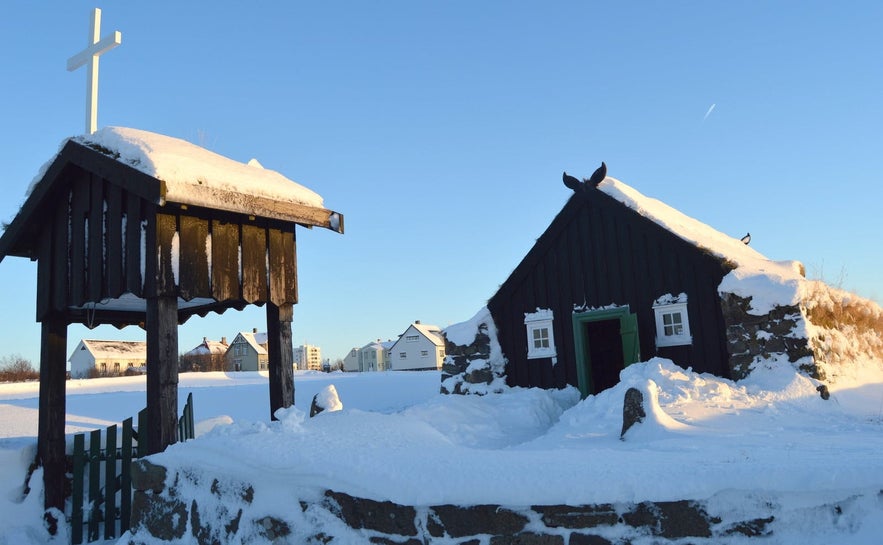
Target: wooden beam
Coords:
[[162, 372], [50, 432], [263, 207], [280, 357]]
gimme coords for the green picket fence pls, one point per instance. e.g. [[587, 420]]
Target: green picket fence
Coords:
[[101, 488]]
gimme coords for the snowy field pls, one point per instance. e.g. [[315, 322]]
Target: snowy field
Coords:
[[766, 443]]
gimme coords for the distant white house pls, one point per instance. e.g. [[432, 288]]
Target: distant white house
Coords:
[[420, 348], [107, 358], [308, 357], [248, 352], [351, 361], [374, 356]]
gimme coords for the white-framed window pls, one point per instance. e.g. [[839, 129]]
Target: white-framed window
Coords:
[[672, 324], [412, 338], [403, 355], [540, 334], [424, 353]]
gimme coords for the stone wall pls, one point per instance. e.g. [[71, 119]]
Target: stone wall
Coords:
[[166, 509], [752, 338], [473, 368]]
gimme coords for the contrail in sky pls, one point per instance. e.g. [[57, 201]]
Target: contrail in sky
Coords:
[[708, 113]]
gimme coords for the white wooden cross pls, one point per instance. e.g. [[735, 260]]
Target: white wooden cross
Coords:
[[90, 56]]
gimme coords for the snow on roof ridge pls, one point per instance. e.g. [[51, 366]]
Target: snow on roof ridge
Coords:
[[769, 283], [183, 166]]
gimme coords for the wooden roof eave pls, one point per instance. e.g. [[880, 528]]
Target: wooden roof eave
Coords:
[[257, 206]]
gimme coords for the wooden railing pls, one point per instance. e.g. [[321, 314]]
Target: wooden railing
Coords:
[[101, 487]]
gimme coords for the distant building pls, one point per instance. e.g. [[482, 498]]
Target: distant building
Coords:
[[374, 356], [420, 348], [107, 358], [248, 352], [206, 356], [308, 357], [351, 361]]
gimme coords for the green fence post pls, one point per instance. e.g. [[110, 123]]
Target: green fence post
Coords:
[[79, 456], [110, 483], [94, 483], [126, 477]]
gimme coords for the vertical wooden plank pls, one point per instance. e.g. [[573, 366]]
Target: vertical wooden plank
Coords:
[[162, 372], [142, 436], [79, 463], [110, 482], [113, 229], [283, 267], [193, 275], [97, 241], [78, 242], [166, 227], [50, 440], [254, 263], [225, 261], [94, 483], [44, 273], [280, 357], [126, 476], [60, 270], [134, 283]]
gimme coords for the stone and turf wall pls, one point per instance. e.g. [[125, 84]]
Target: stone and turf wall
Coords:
[[166, 511]]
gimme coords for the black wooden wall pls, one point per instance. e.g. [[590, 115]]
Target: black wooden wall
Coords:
[[597, 252], [95, 231]]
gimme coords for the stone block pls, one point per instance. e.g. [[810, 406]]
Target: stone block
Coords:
[[163, 518], [588, 539], [579, 517], [527, 538], [148, 476], [673, 520], [381, 516], [478, 519], [632, 410]]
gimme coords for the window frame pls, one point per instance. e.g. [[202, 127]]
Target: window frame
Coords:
[[683, 338], [538, 321]]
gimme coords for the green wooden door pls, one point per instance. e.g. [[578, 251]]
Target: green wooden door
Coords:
[[628, 331]]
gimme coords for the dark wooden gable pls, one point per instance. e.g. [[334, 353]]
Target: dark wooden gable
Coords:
[[597, 252], [90, 219]]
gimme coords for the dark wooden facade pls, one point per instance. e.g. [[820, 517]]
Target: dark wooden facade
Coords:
[[111, 249], [599, 254]]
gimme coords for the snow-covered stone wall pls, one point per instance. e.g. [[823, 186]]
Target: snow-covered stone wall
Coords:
[[753, 337], [474, 362], [184, 507], [828, 333]]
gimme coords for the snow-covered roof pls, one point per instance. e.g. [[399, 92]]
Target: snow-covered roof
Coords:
[[115, 349], [256, 340], [208, 347], [431, 332], [192, 174], [769, 283]]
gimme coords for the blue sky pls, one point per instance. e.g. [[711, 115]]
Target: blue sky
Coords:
[[440, 130]]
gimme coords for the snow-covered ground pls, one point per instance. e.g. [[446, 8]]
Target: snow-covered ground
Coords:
[[769, 442]]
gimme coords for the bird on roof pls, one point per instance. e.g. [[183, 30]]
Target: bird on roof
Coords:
[[572, 182], [746, 239], [598, 176]]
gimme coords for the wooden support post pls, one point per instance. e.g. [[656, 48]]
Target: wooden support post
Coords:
[[280, 356], [50, 433], [162, 372]]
